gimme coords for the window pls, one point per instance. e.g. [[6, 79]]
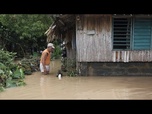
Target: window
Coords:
[[132, 33], [121, 33]]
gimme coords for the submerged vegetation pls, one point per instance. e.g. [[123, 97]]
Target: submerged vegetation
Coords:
[[10, 73], [69, 66], [21, 36], [22, 39]]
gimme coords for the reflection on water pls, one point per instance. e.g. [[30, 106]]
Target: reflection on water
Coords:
[[81, 87]]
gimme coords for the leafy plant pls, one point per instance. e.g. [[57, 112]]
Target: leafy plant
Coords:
[[10, 73], [69, 65], [23, 33], [29, 65], [18, 74], [1, 88], [57, 51]]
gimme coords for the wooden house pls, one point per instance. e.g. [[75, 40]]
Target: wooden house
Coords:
[[106, 44]]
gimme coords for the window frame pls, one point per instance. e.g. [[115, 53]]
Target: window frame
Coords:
[[131, 30], [131, 25]]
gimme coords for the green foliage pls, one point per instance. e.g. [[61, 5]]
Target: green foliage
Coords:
[[9, 71], [27, 25], [23, 33], [69, 65], [29, 65], [6, 57], [57, 51], [18, 74], [1, 88], [14, 83]]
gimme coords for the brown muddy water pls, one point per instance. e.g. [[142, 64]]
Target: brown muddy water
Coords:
[[81, 87]]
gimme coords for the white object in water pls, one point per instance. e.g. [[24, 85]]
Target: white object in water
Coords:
[[59, 76]]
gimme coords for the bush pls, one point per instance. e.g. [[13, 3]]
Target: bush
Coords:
[[9, 71], [69, 66]]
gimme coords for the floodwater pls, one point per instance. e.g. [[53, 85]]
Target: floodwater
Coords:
[[81, 87]]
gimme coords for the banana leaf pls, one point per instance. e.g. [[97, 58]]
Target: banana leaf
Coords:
[[1, 88], [18, 74], [14, 82], [10, 83]]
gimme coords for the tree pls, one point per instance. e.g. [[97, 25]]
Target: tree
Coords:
[[24, 29]]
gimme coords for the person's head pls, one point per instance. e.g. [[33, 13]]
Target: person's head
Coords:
[[50, 47]]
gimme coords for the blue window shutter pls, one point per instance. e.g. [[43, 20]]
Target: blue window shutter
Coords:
[[142, 34]]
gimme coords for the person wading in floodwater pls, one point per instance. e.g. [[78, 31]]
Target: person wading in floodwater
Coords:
[[46, 59]]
